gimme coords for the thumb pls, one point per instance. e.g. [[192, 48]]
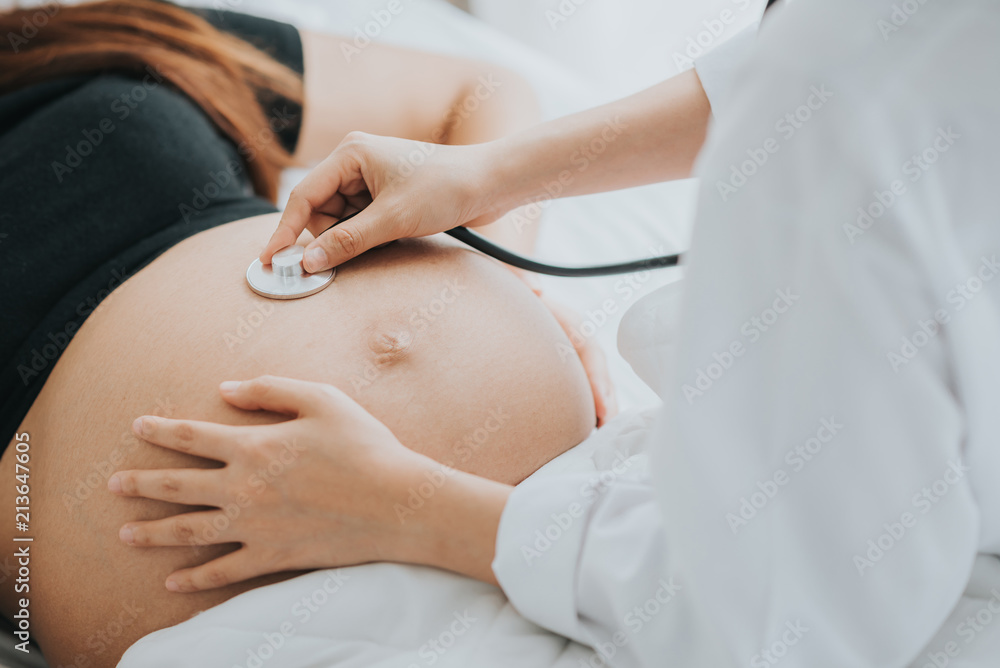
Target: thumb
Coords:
[[367, 229]]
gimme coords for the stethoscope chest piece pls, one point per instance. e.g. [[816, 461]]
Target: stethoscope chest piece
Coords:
[[285, 278]]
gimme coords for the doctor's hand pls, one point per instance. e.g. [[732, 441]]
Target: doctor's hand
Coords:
[[415, 189], [333, 503]]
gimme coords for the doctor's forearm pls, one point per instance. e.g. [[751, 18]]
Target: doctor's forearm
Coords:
[[456, 530], [652, 136]]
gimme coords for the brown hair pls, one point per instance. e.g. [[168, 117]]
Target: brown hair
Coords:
[[219, 72]]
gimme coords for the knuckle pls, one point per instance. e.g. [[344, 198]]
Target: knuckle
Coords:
[[128, 483], [246, 442], [263, 386], [184, 431], [140, 536], [346, 241], [216, 577], [182, 531], [169, 484], [296, 194], [149, 425], [354, 138], [184, 583], [184, 435]]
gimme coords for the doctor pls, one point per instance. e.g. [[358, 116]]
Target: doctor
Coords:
[[825, 486]]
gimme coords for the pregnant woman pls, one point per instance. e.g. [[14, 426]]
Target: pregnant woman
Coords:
[[140, 149]]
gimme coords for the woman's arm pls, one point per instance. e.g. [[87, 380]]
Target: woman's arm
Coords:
[[415, 95]]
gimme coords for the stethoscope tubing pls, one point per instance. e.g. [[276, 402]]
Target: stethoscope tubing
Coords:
[[481, 244]]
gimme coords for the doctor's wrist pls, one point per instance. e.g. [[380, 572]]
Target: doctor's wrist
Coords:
[[455, 527], [506, 179]]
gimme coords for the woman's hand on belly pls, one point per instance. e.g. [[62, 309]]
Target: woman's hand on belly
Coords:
[[329, 488]]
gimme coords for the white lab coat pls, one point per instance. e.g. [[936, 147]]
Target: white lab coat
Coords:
[[826, 479]]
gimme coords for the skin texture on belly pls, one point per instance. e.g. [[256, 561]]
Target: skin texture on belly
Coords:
[[446, 347]]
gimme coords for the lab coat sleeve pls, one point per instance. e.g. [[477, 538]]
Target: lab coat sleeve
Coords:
[[548, 530], [718, 69], [585, 556]]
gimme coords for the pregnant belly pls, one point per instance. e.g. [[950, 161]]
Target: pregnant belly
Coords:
[[447, 348]]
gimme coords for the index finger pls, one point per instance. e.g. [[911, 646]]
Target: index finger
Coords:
[[307, 200], [202, 439]]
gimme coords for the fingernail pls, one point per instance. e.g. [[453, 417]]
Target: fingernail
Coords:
[[126, 536], [137, 426], [315, 260], [115, 484], [229, 385], [173, 586]]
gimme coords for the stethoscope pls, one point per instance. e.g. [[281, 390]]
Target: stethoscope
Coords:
[[285, 278]]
